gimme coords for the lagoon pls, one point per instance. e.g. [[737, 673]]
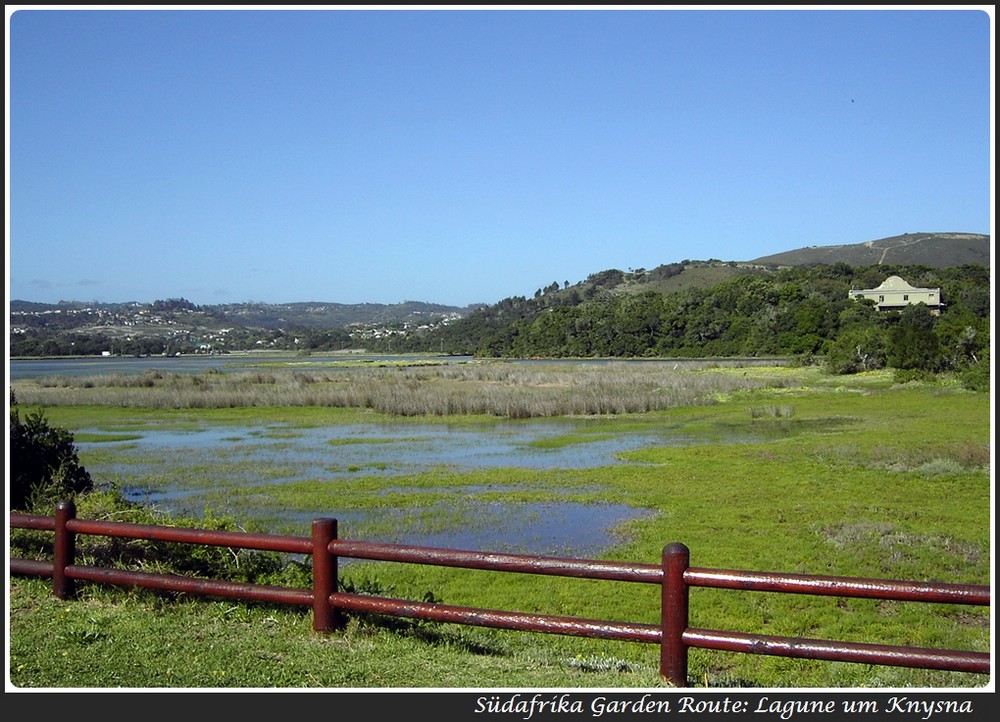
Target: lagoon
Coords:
[[29, 368], [19, 369], [187, 471], [247, 469]]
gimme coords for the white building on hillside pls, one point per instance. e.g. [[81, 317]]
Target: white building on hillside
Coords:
[[895, 293]]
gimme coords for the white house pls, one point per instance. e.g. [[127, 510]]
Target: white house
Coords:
[[895, 293]]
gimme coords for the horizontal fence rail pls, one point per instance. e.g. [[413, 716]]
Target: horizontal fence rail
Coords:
[[838, 586], [572, 626], [526, 564], [674, 576]]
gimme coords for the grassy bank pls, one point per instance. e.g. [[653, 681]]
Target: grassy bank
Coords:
[[109, 639], [850, 476]]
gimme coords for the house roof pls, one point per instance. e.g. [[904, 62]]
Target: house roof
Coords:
[[894, 283], [897, 284]]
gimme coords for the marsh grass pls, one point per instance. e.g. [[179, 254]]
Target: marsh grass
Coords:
[[105, 438], [490, 389]]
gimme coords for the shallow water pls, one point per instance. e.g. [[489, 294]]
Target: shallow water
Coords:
[[185, 471], [199, 363], [565, 529], [342, 450], [263, 455]]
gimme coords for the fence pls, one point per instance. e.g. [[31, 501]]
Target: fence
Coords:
[[674, 575]]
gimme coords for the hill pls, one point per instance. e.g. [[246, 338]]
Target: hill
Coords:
[[934, 250], [937, 250], [324, 315], [178, 326], [794, 303]]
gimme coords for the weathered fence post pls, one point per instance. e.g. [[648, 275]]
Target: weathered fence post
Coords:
[[674, 615], [325, 617], [64, 553]]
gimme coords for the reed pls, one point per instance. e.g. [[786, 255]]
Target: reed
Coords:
[[500, 389]]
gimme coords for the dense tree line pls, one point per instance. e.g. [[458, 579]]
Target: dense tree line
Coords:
[[172, 305], [802, 312]]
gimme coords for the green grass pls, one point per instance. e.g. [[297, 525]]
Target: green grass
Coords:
[[110, 640], [850, 476]]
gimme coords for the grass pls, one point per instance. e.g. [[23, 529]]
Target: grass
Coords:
[[110, 640], [851, 476]]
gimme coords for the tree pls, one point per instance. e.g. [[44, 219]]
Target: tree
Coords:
[[855, 350], [963, 337], [913, 345], [43, 461]]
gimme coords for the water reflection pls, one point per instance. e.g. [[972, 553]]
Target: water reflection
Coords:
[[541, 528], [157, 466], [127, 365], [342, 450], [262, 455]]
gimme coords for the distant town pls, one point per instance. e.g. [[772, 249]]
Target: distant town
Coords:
[[178, 327]]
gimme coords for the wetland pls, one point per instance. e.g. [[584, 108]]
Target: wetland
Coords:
[[282, 473], [753, 466]]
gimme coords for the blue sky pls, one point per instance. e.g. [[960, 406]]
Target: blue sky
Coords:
[[464, 156]]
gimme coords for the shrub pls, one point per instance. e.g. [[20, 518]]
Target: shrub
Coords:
[[905, 376], [207, 561], [857, 350], [977, 376], [44, 465], [913, 345]]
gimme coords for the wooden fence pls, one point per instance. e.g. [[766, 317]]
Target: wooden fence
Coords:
[[673, 574]]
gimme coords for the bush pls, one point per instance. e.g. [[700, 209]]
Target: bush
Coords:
[[44, 466], [857, 350], [200, 560], [45, 469], [905, 376], [977, 376]]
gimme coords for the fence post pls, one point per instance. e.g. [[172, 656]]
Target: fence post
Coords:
[[64, 553], [325, 617], [674, 615]]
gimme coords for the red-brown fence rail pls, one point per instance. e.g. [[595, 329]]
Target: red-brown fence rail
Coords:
[[673, 574]]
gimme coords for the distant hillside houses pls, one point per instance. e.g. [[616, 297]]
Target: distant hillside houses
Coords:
[[894, 294]]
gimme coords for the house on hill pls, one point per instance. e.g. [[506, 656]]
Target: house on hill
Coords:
[[894, 294]]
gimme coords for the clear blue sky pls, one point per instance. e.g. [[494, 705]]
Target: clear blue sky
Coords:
[[463, 156]]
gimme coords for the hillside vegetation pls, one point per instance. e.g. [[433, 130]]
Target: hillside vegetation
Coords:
[[794, 303], [799, 312]]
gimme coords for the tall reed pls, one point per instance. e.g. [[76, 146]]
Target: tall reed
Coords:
[[501, 389]]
